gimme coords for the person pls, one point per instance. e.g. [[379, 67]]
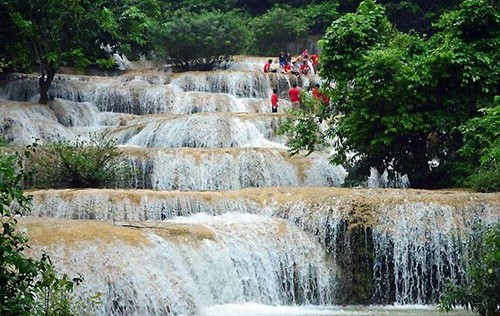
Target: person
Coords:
[[304, 68], [267, 66], [282, 59], [274, 101], [288, 57], [305, 54], [319, 95], [295, 68], [288, 68], [294, 94], [315, 61]]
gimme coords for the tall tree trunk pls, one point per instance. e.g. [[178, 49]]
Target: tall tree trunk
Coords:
[[44, 83]]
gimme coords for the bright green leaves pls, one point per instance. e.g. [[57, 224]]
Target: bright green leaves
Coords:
[[303, 126], [107, 21], [349, 37]]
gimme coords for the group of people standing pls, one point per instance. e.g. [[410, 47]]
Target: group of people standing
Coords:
[[304, 64], [295, 97]]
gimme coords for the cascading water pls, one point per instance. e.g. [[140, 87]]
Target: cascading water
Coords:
[[216, 217], [180, 266]]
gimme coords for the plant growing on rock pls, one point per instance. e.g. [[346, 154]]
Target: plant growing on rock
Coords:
[[90, 163]]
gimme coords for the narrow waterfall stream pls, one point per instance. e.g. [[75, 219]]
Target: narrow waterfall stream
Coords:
[[218, 219]]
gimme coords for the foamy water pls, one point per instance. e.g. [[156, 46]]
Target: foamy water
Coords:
[[253, 309]]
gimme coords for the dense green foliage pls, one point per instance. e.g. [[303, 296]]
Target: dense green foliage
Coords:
[[201, 40], [28, 286], [275, 29], [136, 21], [319, 16], [78, 164], [398, 99], [481, 293], [481, 150], [55, 33], [417, 15]]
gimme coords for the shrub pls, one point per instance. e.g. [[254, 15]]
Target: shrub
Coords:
[[302, 126], [275, 29], [79, 164], [481, 149], [28, 286], [201, 40]]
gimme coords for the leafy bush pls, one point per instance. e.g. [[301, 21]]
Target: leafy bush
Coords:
[[482, 293], [302, 126], [202, 40], [275, 29], [319, 16], [482, 150], [78, 164], [28, 286]]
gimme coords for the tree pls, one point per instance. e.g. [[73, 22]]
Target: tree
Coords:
[[397, 99], [319, 16], [275, 29], [201, 40], [416, 15], [55, 33], [136, 22]]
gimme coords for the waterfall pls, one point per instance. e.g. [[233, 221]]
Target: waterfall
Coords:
[[205, 260], [215, 215]]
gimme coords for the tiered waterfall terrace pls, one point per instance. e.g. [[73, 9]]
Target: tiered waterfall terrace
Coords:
[[218, 213]]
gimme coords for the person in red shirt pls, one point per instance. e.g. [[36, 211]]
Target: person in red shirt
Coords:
[[288, 68], [274, 101], [315, 92], [304, 68], [315, 61], [294, 94], [267, 66], [320, 96]]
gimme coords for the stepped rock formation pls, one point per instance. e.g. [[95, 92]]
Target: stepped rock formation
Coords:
[[217, 212]]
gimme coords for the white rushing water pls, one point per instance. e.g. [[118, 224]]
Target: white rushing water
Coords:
[[194, 262]]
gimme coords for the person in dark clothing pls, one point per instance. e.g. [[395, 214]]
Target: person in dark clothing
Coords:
[[282, 60]]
